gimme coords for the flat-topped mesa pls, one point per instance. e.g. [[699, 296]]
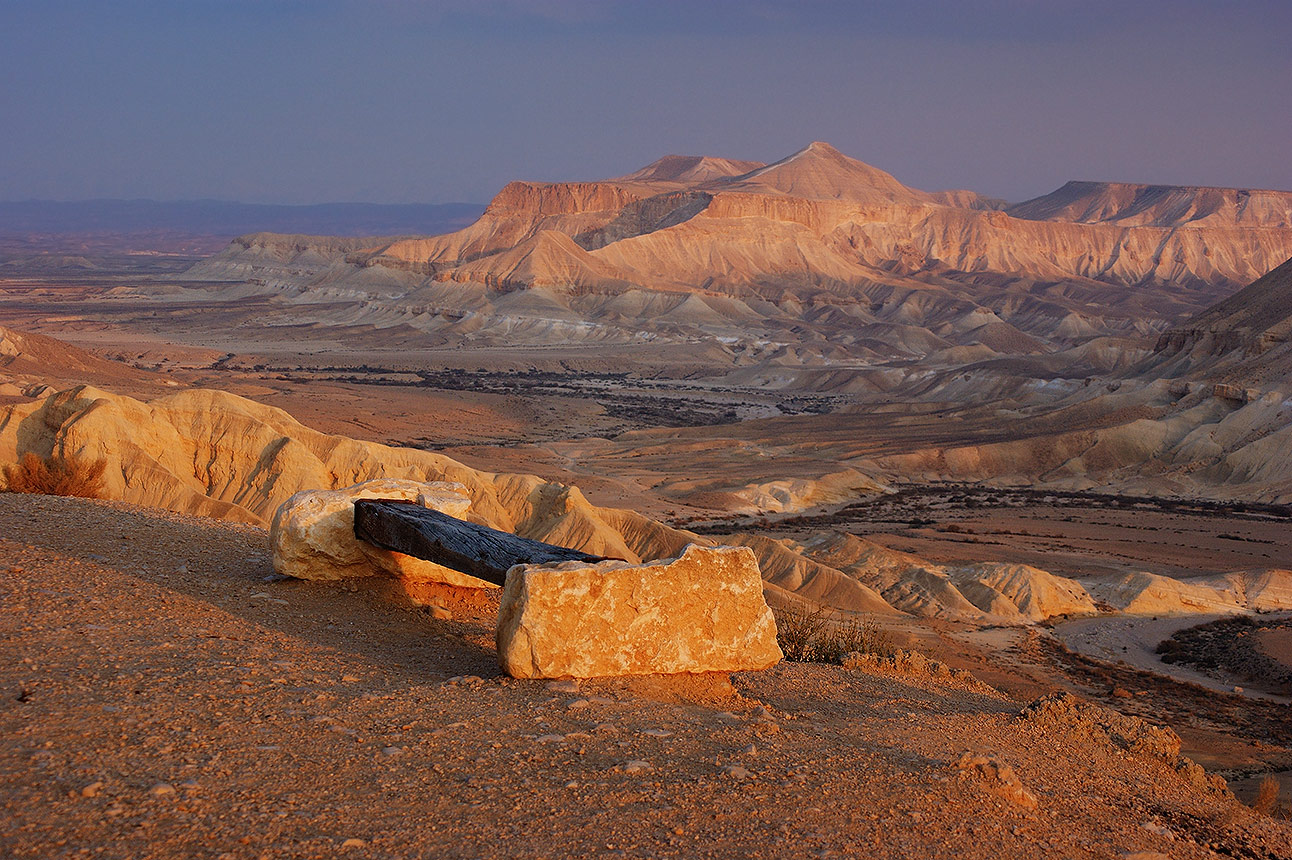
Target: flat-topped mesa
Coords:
[[560, 198], [1140, 205]]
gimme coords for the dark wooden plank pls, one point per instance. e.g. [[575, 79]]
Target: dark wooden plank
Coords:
[[477, 550]]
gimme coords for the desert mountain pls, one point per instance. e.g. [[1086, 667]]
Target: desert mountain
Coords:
[[1158, 205], [818, 249], [1244, 338]]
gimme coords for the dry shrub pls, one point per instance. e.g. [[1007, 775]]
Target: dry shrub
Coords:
[[56, 476], [797, 631], [810, 636], [1267, 800], [852, 636]]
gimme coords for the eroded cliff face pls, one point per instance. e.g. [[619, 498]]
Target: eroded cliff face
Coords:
[[817, 241]]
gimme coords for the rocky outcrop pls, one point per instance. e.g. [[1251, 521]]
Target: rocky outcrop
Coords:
[[1244, 339], [700, 612], [312, 533]]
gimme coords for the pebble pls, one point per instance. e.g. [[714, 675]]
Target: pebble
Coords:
[[636, 766], [563, 686], [578, 704], [353, 843], [735, 771], [392, 752], [544, 739], [92, 790], [656, 733], [349, 679], [162, 789]]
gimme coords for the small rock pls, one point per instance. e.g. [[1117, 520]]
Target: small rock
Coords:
[[636, 766], [565, 686], [578, 704], [92, 790], [752, 749], [353, 843], [735, 771], [392, 752], [656, 733], [547, 739], [162, 789], [349, 679]]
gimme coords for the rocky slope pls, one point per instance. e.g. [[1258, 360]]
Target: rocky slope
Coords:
[[154, 682], [1244, 339], [818, 243], [213, 453]]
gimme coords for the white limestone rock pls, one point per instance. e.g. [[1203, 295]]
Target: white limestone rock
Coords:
[[312, 534]]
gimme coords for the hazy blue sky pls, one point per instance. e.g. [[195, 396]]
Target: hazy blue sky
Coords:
[[398, 101]]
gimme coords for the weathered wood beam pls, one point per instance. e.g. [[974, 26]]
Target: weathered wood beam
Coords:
[[469, 548]]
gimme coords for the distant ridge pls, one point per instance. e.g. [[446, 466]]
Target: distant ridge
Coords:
[[1136, 205], [231, 219]]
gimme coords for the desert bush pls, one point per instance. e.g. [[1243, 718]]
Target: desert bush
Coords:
[[1267, 800], [797, 631], [852, 636], [810, 636], [56, 476]]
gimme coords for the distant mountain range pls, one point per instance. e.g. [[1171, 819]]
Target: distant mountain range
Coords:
[[733, 251], [229, 219]]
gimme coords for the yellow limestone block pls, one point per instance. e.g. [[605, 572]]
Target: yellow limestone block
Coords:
[[701, 612]]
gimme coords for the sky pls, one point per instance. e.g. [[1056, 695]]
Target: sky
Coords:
[[396, 101]]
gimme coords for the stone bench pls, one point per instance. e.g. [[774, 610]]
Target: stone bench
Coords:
[[563, 613]]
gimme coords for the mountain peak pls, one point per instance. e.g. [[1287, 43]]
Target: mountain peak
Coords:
[[691, 169], [818, 171]]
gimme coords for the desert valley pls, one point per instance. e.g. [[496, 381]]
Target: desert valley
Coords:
[[1037, 452]]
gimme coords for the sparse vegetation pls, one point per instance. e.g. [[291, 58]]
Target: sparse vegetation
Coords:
[[811, 636], [1267, 800], [56, 476]]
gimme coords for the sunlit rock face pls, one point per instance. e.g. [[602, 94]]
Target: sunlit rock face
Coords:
[[700, 612], [312, 534]]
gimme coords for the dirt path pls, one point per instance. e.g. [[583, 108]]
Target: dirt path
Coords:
[[160, 698]]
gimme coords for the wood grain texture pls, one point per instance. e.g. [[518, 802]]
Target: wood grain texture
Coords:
[[477, 550]]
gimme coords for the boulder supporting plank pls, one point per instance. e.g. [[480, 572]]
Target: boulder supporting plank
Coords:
[[701, 612], [473, 549], [312, 535]]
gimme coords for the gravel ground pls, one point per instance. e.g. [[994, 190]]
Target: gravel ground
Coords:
[[162, 695]]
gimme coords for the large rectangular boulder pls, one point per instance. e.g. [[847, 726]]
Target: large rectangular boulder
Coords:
[[701, 612]]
